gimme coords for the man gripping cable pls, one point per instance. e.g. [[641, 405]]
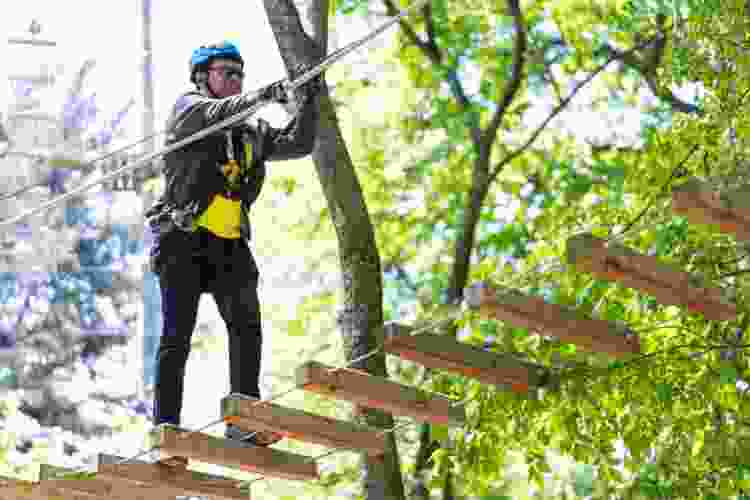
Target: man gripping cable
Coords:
[[201, 226]]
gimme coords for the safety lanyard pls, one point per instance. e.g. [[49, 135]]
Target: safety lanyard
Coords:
[[230, 146]]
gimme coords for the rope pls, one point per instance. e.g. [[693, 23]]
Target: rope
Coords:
[[278, 395], [240, 116]]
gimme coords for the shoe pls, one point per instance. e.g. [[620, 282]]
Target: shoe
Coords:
[[260, 438], [174, 461]]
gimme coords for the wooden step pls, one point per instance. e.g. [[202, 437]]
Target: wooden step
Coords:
[[670, 286], [89, 485], [728, 212], [173, 441], [17, 489], [366, 390], [301, 425], [14, 489], [444, 353], [539, 316], [161, 482]]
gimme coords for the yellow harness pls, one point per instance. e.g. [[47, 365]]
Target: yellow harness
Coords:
[[223, 216]]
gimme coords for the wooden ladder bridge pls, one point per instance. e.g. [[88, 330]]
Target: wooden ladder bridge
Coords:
[[142, 480]]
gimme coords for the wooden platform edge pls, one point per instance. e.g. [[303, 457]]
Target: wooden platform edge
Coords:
[[302, 425], [501, 370], [645, 273], [173, 441], [160, 482], [539, 316], [701, 204], [376, 392]]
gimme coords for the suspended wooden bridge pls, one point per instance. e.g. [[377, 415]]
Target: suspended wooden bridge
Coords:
[[136, 480]]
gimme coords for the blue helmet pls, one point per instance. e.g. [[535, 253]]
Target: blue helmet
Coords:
[[204, 54]]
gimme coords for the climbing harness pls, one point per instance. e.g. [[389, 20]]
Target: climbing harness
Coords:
[[302, 79]]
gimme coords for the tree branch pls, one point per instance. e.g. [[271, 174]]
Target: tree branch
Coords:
[[511, 156], [392, 10], [514, 84], [432, 52], [673, 175], [649, 64]]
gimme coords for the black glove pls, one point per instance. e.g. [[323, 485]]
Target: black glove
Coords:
[[312, 87], [275, 92]]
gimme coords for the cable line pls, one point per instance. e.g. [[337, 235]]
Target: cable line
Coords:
[[308, 75]]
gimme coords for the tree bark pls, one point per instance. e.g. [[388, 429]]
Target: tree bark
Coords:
[[361, 318]]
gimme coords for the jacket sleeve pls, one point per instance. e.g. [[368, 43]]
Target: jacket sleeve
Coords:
[[297, 139], [194, 112]]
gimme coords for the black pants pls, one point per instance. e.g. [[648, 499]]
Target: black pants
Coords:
[[192, 264]]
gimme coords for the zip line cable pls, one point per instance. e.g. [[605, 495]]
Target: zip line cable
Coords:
[[24, 189], [308, 75]]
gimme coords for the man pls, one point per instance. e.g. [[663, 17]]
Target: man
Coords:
[[201, 227]]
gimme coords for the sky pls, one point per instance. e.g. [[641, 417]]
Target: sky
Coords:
[[110, 32]]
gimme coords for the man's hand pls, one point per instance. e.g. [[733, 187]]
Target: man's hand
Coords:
[[276, 92]]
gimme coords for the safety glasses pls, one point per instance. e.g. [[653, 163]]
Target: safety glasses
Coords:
[[228, 73]]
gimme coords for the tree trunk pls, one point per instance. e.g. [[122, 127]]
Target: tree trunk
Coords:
[[362, 316]]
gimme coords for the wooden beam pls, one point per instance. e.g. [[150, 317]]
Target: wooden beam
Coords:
[[301, 425], [14, 489], [366, 390], [64, 481], [670, 286], [728, 212], [160, 482], [17, 489], [539, 316], [53, 478], [444, 353], [173, 441]]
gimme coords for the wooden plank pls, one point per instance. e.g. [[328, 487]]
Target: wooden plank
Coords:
[[444, 353], [670, 286], [156, 481], [16, 489], [539, 316], [301, 425], [13, 489], [728, 212], [64, 481], [375, 392], [173, 441], [53, 478]]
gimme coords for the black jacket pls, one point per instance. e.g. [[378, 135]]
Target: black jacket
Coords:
[[193, 174]]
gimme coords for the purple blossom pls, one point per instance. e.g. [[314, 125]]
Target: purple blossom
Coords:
[[89, 360], [79, 113], [56, 181], [104, 137], [182, 103], [140, 407], [23, 231], [7, 335], [22, 88]]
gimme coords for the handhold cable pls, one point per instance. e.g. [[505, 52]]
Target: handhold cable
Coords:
[[302, 79]]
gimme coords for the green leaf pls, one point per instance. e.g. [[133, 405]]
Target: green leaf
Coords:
[[568, 349], [440, 433], [664, 392], [296, 328], [728, 375]]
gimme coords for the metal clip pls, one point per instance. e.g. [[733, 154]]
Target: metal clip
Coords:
[[230, 145]]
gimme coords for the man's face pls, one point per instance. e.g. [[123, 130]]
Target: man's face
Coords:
[[225, 77]]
